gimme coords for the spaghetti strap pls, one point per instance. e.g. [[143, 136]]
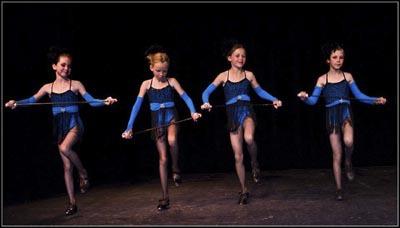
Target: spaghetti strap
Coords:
[[51, 90], [70, 84], [326, 78], [227, 78], [344, 76], [151, 83]]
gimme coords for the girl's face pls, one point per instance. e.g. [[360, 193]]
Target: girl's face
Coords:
[[238, 58], [159, 69], [336, 59], [63, 66]]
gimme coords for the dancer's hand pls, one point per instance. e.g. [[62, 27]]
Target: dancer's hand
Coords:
[[206, 106], [303, 95], [277, 104], [196, 116], [110, 101], [380, 101], [11, 104], [127, 134]]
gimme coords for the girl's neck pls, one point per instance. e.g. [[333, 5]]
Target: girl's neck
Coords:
[[236, 70], [236, 73], [60, 79], [160, 80], [335, 71]]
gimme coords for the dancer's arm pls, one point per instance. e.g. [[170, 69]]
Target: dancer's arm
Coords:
[[127, 134], [261, 92], [175, 84], [360, 95], [33, 99], [315, 94], [88, 97], [207, 92]]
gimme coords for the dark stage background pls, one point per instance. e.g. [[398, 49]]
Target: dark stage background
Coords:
[[108, 42]]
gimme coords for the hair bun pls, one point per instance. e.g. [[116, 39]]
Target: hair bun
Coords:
[[155, 48], [228, 44], [55, 52], [330, 46]]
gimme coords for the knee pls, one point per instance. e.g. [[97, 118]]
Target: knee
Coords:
[[249, 139], [163, 161], [172, 141], [239, 158], [63, 150], [348, 142]]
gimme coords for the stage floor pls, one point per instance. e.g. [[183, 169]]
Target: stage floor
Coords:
[[285, 197]]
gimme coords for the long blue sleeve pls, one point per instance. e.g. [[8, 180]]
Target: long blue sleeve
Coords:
[[30, 100], [207, 92], [93, 102], [188, 102], [134, 112], [361, 96], [312, 100], [264, 94]]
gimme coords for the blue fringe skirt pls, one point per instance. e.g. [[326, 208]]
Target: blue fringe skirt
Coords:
[[162, 117], [336, 116], [63, 123], [237, 113]]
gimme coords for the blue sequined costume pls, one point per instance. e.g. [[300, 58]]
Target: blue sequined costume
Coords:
[[338, 109], [163, 109], [240, 109], [65, 116]]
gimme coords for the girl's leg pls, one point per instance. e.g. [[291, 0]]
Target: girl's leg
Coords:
[[163, 161], [336, 146], [66, 149], [237, 141], [249, 129], [174, 151], [69, 159], [68, 178], [69, 184], [348, 149]]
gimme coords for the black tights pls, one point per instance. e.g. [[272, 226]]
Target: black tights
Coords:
[[70, 159]]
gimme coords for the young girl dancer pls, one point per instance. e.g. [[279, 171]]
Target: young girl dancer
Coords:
[[68, 126], [160, 90], [334, 86], [241, 117]]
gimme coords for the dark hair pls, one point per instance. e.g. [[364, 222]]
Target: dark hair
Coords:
[[329, 47], [55, 52], [153, 49], [229, 46]]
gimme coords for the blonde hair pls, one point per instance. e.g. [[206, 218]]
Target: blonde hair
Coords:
[[157, 57]]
